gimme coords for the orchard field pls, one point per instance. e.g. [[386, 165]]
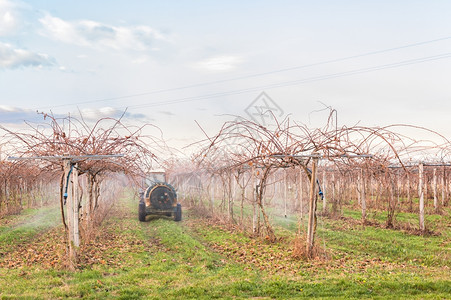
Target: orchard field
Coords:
[[280, 211], [201, 258]]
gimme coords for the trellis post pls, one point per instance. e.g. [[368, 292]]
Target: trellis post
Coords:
[[312, 210], [301, 192], [212, 192], [285, 194], [421, 195], [254, 208], [362, 195], [324, 191], [70, 216], [75, 205], [434, 188]]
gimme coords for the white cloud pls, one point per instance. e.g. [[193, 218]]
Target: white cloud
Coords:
[[11, 58], [7, 108], [140, 59], [221, 63], [9, 19], [100, 36], [93, 114], [167, 113], [16, 115]]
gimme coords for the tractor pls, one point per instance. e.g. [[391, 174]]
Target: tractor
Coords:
[[160, 198]]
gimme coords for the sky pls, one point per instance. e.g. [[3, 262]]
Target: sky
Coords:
[[177, 64]]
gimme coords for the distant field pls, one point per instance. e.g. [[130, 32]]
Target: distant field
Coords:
[[198, 259]]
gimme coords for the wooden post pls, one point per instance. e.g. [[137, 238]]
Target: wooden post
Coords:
[[296, 195], [409, 196], [425, 187], [340, 192], [229, 198], [443, 188], [333, 199], [421, 195], [372, 189], [359, 187], [285, 192], [212, 192], [362, 195], [234, 186], [75, 207], [311, 227], [301, 192], [254, 207], [324, 191], [398, 188], [243, 197], [378, 192], [88, 203], [70, 216], [434, 188]]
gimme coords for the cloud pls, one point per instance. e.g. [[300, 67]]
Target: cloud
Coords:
[[96, 35], [11, 58], [97, 113], [93, 114], [220, 63], [168, 113], [9, 18], [15, 115]]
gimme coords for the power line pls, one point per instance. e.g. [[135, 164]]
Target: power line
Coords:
[[255, 75], [297, 82]]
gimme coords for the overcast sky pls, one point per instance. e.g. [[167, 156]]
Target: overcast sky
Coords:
[[174, 62]]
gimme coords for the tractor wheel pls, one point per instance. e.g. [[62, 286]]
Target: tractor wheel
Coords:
[[142, 212], [178, 213]]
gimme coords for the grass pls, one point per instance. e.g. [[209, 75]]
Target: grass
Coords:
[[24, 228], [198, 259]]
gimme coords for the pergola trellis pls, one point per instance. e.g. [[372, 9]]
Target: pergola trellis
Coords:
[[420, 165], [312, 194], [70, 166], [286, 143]]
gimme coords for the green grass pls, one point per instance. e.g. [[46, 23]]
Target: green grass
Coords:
[[24, 228], [345, 275], [381, 216], [389, 245], [194, 259]]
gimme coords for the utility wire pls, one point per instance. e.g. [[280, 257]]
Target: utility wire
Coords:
[[296, 82], [256, 74]]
